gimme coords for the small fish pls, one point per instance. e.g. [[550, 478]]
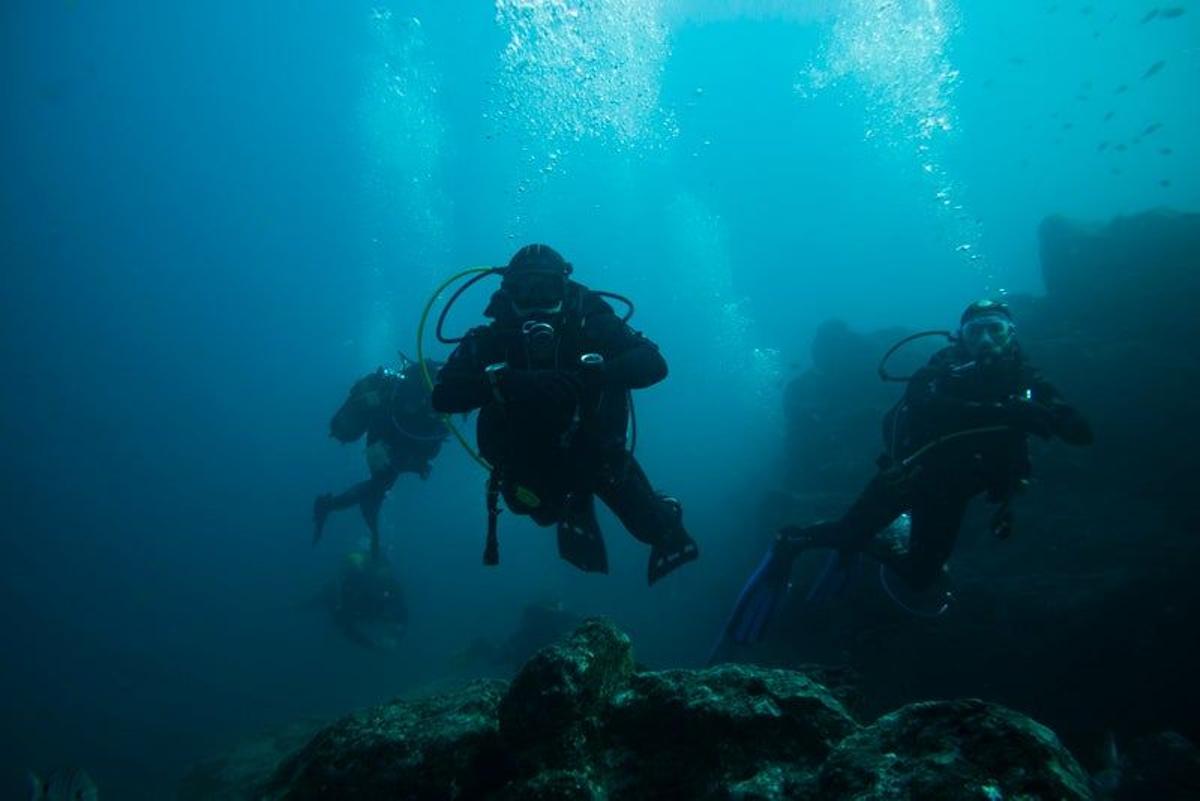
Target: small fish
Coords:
[[1102, 146], [1016, 60], [1151, 14], [1164, 183], [1115, 170], [1174, 12], [1154, 69], [1122, 148], [67, 784], [1122, 89], [1109, 115], [1086, 10], [1151, 128], [1165, 151], [1066, 126]]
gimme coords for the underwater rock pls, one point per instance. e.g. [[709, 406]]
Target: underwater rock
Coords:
[[580, 723], [553, 707], [442, 747], [703, 733], [1164, 767], [1124, 277], [951, 751]]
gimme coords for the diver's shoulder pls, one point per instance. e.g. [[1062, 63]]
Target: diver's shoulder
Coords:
[[945, 358]]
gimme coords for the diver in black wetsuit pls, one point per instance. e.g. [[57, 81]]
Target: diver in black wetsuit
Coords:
[[960, 430], [551, 375], [403, 436]]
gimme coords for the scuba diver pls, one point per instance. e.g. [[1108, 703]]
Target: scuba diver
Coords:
[[551, 375], [960, 430], [403, 436], [367, 602]]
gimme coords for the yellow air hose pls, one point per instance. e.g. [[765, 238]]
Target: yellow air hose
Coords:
[[446, 419]]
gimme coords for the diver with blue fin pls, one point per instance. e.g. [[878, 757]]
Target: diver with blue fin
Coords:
[[403, 435], [552, 375], [960, 430]]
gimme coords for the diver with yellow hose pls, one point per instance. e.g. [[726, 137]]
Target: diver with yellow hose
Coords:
[[960, 430], [551, 375]]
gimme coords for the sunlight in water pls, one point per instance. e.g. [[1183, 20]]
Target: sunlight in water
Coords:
[[575, 70], [895, 52], [403, 131]]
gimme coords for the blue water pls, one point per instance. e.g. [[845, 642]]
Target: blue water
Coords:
[[216, 216]]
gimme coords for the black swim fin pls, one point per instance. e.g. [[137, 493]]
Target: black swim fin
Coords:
[[580, 541]]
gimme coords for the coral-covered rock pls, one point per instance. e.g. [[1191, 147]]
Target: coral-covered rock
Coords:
[[700, 733], [442, 747], [953, 751], [556, 701], [580, 724]]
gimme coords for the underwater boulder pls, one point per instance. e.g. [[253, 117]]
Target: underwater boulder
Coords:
[[550, 713], [1126, 274], [953, 751], [442, 747], [581, 723], [732, 730]]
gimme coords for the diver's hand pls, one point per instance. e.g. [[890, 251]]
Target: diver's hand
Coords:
[[557, 387], [1030, 417]]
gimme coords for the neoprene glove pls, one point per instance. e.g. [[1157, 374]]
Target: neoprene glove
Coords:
[[1032, 418], [556, 387]]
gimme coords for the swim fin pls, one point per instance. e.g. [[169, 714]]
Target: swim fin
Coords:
[[762, 595], [839, 568], [580, 541], [676, 547]]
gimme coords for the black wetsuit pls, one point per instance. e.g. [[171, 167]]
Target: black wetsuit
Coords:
[[960, 430], [404, 425], [552, 453]]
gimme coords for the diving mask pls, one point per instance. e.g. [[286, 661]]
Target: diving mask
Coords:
[[535, 292], [990, 333]]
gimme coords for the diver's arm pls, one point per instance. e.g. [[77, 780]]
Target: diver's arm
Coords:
[[926, 396], [631, 361], [637, 368], [1067, 423], [462, 384]]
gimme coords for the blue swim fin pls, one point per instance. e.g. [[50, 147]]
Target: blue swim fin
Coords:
[[840, 567], [761, 597]]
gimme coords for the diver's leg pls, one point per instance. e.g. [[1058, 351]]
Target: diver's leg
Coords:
[[370, 501], [937, 515], [880, 502], [651, 517], [328, 503]]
